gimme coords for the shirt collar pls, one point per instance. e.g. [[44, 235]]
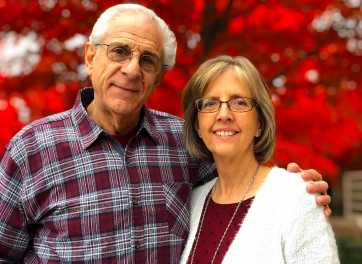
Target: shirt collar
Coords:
[[88, 131], [148, 123]]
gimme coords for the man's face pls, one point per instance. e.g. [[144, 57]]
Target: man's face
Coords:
[[122, 89]]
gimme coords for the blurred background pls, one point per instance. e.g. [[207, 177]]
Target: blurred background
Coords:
[[309, 53]]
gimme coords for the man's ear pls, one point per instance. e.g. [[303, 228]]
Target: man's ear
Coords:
[[90, 52]]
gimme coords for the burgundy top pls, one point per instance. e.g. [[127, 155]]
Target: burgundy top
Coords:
[[216, 220]]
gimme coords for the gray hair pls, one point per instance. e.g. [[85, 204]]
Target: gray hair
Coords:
[[104, 21]]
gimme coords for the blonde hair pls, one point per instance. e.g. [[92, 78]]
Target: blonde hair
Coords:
[[246, 72]]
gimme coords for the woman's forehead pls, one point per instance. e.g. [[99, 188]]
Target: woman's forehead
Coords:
[[229, 82]]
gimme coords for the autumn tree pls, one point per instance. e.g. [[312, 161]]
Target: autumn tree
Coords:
[[309, 53]]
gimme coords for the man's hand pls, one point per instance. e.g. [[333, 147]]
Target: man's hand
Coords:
[[317, 186]]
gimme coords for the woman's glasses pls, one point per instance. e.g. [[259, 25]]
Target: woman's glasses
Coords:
[[239, 104]]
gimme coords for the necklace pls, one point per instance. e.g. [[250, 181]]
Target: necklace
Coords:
[[232, 218]]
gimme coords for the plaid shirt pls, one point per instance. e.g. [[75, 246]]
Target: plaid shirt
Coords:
[[69, 192]]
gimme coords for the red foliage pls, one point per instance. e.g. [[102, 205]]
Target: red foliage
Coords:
[[313, 70], [8, 122]]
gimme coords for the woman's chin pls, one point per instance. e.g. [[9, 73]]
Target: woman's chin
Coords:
[[225, 154], [231, 153]]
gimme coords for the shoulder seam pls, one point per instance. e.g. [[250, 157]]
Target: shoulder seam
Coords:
[[35, 124], [163, 114]]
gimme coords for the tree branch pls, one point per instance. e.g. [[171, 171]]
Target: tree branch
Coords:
[[285, 70]]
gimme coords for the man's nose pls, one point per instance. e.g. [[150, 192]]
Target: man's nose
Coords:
[[132, 68]]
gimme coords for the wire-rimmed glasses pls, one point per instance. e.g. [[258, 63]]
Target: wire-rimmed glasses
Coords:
[[122, 54], [212, 105]]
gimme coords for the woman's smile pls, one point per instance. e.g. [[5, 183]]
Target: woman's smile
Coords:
[[223, 132]]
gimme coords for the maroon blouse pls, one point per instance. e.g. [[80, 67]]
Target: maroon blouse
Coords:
[[216, 220]]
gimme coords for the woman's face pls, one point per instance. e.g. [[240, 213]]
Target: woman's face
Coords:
[[226, 133]]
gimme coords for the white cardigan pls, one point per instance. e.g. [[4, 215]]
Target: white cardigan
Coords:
[[283, 225]]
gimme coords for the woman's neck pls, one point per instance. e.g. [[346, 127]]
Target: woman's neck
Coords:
[[234, 178]]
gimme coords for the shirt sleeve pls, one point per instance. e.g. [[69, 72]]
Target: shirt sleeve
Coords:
[[14, 235], [307, 235]]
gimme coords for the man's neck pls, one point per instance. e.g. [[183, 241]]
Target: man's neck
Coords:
[[111, 122]]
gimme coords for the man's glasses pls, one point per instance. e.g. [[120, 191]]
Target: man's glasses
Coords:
[[121, 54], [239, 104]]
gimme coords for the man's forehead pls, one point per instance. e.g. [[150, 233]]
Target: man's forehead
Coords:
[[135, 30], [152, 33]]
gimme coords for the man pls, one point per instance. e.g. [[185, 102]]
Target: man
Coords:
[[109, 180]]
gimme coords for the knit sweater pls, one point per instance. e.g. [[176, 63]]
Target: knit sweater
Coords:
[[284, 225]]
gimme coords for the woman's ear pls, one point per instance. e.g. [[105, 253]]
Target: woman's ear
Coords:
[[260, 128], [258, 133], [197, 128]]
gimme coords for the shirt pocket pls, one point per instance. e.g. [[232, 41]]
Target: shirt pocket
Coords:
[[88, 215], [177, 199]]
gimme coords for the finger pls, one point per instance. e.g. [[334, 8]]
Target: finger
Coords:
[[320, 187], [323, 200], [313, 175], [305, 175], [327, 211], [293, 167]]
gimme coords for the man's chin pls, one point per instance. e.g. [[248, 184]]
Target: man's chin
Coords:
[[126, 109]]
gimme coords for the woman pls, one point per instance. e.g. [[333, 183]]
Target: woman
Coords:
[[250, 213]]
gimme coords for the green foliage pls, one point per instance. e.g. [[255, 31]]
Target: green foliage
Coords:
[[350, 250]]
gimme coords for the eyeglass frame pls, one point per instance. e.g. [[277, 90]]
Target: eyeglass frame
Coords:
[[130, 58], [227, 103]]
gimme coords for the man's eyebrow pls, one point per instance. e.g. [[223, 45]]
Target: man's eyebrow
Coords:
[[146, 52], [150, 53], [121, 44]]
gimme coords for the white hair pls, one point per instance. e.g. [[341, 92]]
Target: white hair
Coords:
[[104, 21]]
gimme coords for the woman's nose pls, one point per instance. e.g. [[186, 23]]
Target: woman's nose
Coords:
[[224, 113]]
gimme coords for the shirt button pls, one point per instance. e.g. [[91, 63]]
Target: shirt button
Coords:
[[135, 202], [138, 246]]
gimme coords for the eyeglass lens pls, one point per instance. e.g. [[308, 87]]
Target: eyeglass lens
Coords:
[[240, 104], [122, 54]]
